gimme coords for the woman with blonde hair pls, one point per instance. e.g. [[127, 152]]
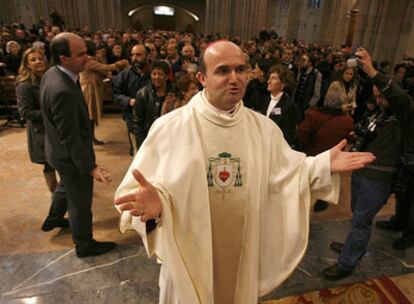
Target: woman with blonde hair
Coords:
[[31, 70]]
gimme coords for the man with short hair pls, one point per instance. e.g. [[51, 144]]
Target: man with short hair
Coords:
[[225, 202], [152, 51], [308, 90], [381, 134], [288, 59], [125, 86], [68, 144], [188, 51], [172, 53]]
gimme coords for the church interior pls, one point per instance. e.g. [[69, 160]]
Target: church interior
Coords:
[[40, 267]]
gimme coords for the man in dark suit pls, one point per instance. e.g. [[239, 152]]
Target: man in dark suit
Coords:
[[68, 143]]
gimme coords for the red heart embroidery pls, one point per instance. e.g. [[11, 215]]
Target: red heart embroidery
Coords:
[[224, 175]]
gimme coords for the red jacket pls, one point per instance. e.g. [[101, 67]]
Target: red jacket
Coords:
[[320, 131]]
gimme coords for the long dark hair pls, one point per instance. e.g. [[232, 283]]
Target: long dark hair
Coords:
[[340, 76]]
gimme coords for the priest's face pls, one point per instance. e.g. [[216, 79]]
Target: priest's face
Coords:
[[225, 75]]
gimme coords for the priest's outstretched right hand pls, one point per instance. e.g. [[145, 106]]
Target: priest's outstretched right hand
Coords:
[[144, 202]]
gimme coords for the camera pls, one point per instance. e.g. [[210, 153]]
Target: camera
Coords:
[[365, 135], [352, 62]]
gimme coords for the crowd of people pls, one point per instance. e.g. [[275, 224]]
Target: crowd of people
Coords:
[[316, 94]]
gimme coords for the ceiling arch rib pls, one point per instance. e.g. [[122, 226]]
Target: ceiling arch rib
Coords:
[[139, 8]]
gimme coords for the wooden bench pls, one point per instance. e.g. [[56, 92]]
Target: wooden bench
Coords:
[[8, 103]]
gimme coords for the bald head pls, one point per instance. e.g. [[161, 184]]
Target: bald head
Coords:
[[60, 45], [69, 50], [223, 74], [214, 49]]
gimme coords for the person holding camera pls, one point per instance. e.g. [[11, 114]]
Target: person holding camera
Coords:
[[403, 220], [127, 83], [371, 186]]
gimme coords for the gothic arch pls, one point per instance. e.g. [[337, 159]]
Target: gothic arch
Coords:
[[142, 17]]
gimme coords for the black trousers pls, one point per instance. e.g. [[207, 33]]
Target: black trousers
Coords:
[[74, 194], [404, 210]]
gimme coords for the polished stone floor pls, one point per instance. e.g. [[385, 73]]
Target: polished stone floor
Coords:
[[38, 267]]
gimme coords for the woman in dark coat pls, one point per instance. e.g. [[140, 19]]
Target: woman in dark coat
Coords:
[[278, 105], [31, 70], [256, 91]]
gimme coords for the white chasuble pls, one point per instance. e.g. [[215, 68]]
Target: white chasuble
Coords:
[[236, 203], [225, 159]]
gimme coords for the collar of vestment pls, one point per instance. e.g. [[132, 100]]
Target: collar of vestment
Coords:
[[72, 75], [217, 116]]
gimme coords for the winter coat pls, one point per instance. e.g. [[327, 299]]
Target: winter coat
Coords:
[[28, 102]]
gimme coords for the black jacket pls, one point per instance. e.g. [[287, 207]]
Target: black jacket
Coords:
[[394, 134], [125, 86], [385, 144], [68, 143], [403, 107], [284, 115], [28, 102], [146, 110], [308, 92], [256, 94], [12, 63]]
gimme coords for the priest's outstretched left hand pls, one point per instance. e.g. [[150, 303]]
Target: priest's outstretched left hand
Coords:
[[342, 161], [144, 202]]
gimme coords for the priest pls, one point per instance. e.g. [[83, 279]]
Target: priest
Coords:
[[219, 197]]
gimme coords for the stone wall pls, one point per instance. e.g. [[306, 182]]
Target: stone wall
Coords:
[[384, 27]]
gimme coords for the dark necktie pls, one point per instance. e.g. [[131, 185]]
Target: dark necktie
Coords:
[[78, 84]]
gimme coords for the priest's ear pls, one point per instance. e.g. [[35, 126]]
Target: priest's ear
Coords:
[[201, 78]]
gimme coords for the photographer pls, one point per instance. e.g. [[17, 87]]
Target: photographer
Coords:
[[403, 220], [371, 186], [127, 83]]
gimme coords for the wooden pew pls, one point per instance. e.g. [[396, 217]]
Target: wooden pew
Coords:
[[8, 103]]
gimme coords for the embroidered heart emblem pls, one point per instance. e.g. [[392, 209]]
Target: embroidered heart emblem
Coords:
[[224, 175]]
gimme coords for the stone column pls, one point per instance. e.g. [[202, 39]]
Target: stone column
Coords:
[[236, 17], [351, 28], [392, 40], [295, 10], [41, 10], [334, 23], [256, 15], [8, 11], [218, 14]]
